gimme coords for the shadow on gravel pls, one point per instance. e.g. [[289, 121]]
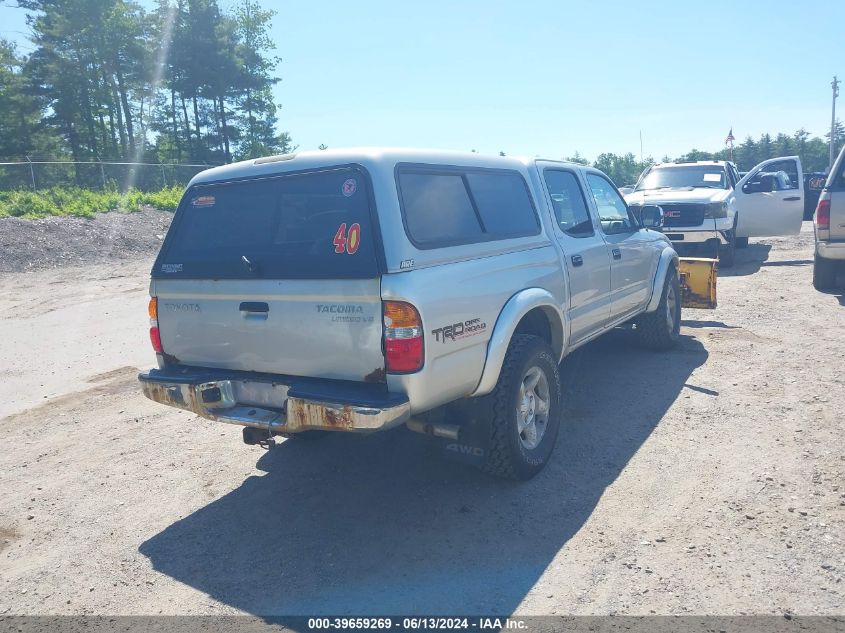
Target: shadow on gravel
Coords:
[[789, 262], [384, 524], [748, 260], [696, 323], [837, 294]]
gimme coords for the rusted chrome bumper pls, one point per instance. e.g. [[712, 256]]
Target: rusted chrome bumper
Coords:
[[275, 404]]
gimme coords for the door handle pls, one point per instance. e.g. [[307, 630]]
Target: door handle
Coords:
[[577, 260], [617, 254], [255, 306], [792, 198]]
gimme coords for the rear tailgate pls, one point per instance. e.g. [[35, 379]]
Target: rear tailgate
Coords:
[[276, 275]]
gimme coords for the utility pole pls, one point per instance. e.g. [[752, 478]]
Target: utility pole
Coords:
[[641, 146], [31, 172], [835, 85]]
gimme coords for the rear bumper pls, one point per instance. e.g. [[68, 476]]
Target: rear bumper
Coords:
[[694, 236], [831, 250], [279, 404]]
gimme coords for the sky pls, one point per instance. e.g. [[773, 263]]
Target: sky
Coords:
[[550, 77]]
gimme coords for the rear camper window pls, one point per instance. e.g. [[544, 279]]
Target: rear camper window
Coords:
[[314, 225], [447, 207]]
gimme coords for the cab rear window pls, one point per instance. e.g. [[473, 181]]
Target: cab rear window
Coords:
[[452, 206], [314, 225]]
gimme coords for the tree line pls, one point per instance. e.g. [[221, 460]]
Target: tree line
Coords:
[[108, 80], [625, 169], [184, 82]]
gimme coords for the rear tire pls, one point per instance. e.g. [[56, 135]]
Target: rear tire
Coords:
[[824, 273], [525, 410], [661, 329], [742, 242]]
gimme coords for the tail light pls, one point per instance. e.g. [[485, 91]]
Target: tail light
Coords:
[[155, 336], [403, 338], [823, 214]]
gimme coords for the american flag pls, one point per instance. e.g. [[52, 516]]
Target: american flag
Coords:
[[730, 138]]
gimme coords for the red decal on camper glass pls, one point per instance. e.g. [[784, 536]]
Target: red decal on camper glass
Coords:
[[203, 201], [340, 239], [348, 244], [353, 241], [350, 186]]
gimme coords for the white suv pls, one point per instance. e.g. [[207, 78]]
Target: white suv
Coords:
[[706, 203]]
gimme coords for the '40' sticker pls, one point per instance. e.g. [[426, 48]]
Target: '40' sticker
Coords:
[[347, 242]]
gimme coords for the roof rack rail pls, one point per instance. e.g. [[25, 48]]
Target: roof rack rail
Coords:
[[273, 159], [708, 160]]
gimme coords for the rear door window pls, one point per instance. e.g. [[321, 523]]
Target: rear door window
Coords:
[[503, 203], [314, 225], [438, 209], [451, 206]]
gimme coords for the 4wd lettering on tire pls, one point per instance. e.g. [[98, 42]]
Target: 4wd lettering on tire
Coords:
[[465, 449], [455, 331]]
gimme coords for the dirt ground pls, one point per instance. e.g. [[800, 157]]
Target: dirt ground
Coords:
[[59, 242], [708, 480]]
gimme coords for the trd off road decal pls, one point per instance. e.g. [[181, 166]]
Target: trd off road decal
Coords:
[[458, 331], [347, 243]]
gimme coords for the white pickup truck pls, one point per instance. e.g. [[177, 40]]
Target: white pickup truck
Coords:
[[707, 205]]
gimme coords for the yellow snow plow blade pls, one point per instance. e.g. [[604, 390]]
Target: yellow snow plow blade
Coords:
[[698, 282]]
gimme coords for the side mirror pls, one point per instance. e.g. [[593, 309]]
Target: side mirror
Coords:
[[651, 216], [764, 185]]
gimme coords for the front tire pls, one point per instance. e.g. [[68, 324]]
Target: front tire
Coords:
[[727, 253], [824, 273], [661, 329], [525, 410]]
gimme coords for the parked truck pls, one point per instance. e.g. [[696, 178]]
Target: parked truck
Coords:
[[709, 207], [829, 228], [358, 290]]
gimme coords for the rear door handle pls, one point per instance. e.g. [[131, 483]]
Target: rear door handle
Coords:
[[577, 260], [255, 306], [792, 198], [617, 254]]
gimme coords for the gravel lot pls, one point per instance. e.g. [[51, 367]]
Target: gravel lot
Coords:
[[56, 242], [709, 480]]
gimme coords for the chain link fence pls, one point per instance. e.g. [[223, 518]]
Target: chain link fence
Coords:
[[43, 174]]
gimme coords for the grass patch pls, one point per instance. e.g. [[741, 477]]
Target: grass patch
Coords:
[[85, 203]]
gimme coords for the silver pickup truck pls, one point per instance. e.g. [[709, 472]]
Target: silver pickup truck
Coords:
[[359, 290]]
